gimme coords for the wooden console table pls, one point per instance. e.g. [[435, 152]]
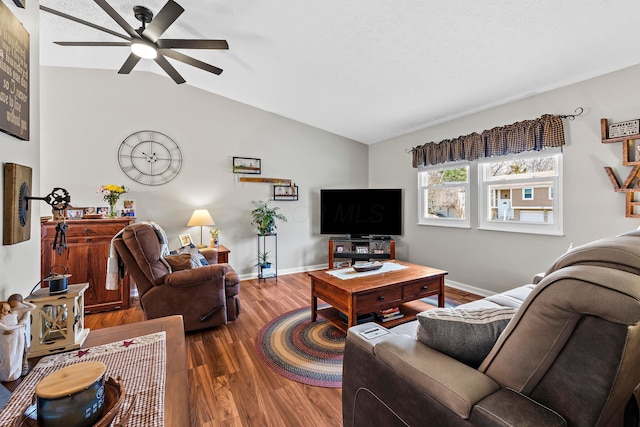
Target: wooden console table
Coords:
[[176, 405]]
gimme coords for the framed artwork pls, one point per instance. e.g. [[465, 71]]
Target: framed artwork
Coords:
[[102, 210], [631, 152], [74, 213], [285, 192], [340, 249], [247, 165], [90, 211], [185, 239]]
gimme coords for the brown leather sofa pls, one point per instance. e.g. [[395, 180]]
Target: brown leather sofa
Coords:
[[569, 357], [205, 296]]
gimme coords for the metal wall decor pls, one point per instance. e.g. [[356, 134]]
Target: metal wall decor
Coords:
[[285, 192], [149, 157]]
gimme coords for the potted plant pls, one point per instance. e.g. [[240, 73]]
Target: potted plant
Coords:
[[264, 217], [263, 259]]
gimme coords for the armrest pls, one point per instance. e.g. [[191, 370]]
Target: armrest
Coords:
[[453, 384], [195, 276], [510, 408]]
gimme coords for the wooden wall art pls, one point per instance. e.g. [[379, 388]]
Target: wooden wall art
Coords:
[[17, 218], [14, 75], [630, 157]]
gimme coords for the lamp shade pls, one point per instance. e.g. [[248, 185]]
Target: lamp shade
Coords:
[[201, 217]]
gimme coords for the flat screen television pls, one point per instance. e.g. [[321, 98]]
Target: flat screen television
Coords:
[[361, 212]]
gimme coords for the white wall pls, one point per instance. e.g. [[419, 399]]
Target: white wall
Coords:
[[20, 262], [87, 114], [497, 261]]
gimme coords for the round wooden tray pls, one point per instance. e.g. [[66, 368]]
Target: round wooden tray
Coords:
[[114, 395], [368, 266]]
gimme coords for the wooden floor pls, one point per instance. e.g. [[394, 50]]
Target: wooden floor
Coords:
[[229, 385]]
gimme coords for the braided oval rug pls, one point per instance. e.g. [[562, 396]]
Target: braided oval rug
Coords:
[[301, 350]]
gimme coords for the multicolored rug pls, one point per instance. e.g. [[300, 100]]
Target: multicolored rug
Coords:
[[302, 351]]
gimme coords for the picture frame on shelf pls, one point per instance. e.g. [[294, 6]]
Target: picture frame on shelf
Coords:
[[102, 210], [285, 192], [91, 210], [247, 165], [631, 152], [185, 240], [362, 249], [340, 249], [74, 213]]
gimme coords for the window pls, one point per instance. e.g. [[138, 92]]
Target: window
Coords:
[[520, 193], [443, 194]]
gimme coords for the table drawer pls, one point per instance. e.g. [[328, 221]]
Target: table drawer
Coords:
[[372, 301], [421, 289]]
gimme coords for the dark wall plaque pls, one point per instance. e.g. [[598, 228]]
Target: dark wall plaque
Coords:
[[14, 75]]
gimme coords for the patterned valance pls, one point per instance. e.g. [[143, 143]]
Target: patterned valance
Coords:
[[529, 135]]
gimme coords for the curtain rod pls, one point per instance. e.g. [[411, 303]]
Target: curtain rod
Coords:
[[578, 111]]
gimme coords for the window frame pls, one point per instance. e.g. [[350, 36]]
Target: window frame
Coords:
[[524, 193], [445, 222], [485, 223]]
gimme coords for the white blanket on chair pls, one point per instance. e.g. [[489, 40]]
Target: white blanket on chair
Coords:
[[113, 262]]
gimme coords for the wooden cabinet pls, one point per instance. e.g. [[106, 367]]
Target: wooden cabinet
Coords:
[[86, 259], [344, 252]]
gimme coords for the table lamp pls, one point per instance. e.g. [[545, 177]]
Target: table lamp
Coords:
[[201, 217]]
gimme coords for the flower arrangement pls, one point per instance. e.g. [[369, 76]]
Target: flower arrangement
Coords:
[[111, 193], [215, 234]]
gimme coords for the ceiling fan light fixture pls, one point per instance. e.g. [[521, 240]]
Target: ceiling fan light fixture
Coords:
[[144, 50]]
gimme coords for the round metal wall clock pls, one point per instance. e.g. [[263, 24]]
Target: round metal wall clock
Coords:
[[150, 157]]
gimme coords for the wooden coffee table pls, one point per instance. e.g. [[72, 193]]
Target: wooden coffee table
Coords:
[[370, 293]]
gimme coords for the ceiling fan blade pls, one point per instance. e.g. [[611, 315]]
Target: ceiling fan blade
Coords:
[[159, 24], [168, 68], [190, 61], [116, 17], [192, 44], [128, 65], [93, 43], [83, 22]]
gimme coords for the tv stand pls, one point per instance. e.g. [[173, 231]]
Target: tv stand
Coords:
[[346, 251]]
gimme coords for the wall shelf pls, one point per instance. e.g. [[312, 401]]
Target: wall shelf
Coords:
[[630, 157]]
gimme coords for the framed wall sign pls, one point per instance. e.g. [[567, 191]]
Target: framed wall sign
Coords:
[[14, 75], [630, 127], [247, 165]]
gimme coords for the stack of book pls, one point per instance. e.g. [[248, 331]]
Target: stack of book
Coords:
[[388, 314]]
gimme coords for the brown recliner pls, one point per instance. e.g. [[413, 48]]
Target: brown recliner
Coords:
[[205, 296]]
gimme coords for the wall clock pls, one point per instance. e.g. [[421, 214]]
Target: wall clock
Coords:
[[150, 157]]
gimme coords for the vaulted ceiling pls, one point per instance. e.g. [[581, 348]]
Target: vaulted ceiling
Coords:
[[371, 70]]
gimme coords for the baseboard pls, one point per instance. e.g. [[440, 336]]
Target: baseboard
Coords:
[[468, 288], [286, 271], [304, 269]]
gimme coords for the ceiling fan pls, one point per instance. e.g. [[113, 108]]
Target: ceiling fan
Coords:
[[145, 42]]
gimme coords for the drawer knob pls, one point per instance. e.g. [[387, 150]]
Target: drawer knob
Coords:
[[425, 287], [381, 297]]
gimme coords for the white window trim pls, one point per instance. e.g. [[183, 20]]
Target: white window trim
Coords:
[[554, 229], [446, 222], [524, 193]]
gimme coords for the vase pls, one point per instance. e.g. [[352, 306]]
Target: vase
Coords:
[[213, 242], [112, 209]]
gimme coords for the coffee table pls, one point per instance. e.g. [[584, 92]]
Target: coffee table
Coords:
[[368, 293]]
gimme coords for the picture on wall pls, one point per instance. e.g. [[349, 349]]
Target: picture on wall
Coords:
[[247, 165]]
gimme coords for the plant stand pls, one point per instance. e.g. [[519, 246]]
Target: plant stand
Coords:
[[269, 271]]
